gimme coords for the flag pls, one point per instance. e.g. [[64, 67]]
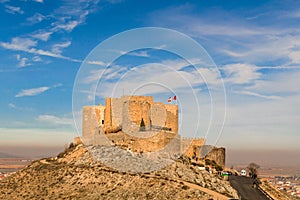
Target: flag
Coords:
[[174, 98], [170, 99]]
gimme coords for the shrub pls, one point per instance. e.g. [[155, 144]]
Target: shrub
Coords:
[[207, 162], [218, 168]]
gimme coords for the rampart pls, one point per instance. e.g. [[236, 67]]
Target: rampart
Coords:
[[192, 146], [139, 124], [127, 113]]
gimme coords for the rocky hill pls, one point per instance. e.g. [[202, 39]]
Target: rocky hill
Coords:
[[74, 174]]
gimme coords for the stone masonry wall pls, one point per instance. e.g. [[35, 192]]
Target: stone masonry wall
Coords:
[[123, 115], [218, 155], [117, 108], [91, 118], [157, 142], [172, 117], [158, 115], [107, 115], [192, 146]]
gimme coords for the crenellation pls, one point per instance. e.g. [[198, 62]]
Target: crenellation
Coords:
[[140, 124]]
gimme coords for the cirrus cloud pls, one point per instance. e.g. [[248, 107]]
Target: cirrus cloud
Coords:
[[35, 91]]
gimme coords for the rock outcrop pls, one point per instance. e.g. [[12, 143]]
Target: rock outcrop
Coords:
[[74, 174]]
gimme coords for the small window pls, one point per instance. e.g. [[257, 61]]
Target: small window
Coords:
[[102, 121]]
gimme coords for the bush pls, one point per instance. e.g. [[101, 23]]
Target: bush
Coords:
[[218, 168], [208, 162], [67, 150]]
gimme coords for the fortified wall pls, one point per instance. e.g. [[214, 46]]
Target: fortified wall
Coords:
[[139, 124], [127, 113]]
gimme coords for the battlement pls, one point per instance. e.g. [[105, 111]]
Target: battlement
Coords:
[[129, 113], [129, 121]]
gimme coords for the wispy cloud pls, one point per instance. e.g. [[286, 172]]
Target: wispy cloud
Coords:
[[68, 26], [64, 19], [133, 53], [36, 59], [35, 91], [55, 120], [11, 105], [140, 54], [17, 43], [283, 82], [15, 107], [13, 10], [240, 73], [44, 36], [77, 13], [28, 45], [97, 62], [236, 38], [271, 97], [36, 18], [39, 1], [170, 73], [23, 62], [32, 91], [57, 48]]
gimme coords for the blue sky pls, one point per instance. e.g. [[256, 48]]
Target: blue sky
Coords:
[[254, 44]]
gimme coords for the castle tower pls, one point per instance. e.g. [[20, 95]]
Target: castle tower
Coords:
[[92, 118], [107, 115], [172, 117]]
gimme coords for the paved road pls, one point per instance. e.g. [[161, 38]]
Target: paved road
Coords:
[[245, 188]]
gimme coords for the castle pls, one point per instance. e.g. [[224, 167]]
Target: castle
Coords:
[[127, 113], [139, 124]]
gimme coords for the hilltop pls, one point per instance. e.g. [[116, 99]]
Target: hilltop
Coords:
[[74, 174]]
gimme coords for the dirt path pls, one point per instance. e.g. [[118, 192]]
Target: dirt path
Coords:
[[216, 195]]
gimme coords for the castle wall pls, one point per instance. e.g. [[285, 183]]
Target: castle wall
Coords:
[[218, 155], [155, 143], [127, 112], [128, 126], [158, 115], [91, 119], [103, 124], [139, 110], [172, 117], [117, 111], [107, 115], [192, 146]]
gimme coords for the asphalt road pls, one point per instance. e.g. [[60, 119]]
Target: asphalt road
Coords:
[[244, 186]]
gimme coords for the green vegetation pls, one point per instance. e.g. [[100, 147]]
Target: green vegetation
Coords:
[[67, 150], [253, 167], [213, 164]]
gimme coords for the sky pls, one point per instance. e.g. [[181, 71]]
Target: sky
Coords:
[[248, 71]]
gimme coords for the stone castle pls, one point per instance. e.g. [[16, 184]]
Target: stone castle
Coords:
[[127, 113], [139, 124]]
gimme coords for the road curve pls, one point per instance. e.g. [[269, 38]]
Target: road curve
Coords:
[[244, 186]]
